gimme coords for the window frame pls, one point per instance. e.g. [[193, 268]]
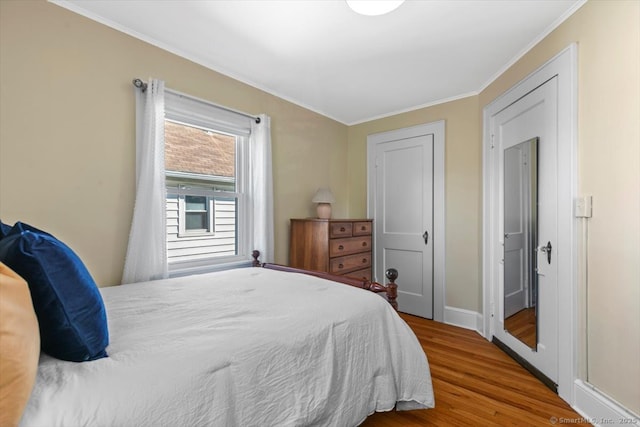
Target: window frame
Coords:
[[195, 113], [209, 211]]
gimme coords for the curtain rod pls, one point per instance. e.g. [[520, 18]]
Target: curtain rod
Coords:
[[143, 87]]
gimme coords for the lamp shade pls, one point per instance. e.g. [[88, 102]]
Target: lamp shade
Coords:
[[323, 195]]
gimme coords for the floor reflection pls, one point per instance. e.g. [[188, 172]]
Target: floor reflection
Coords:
[[522, 325]]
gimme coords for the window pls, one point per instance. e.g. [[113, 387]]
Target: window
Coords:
[[206, 170], [196, 215], [173, 232]]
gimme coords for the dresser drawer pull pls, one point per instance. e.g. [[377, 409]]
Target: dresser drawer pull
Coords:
[[340, 247], [363, 228], [342, 229], [364, 244], [340, 266], [364, 260]]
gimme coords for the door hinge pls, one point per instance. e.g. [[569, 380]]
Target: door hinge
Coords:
[[492, 143]]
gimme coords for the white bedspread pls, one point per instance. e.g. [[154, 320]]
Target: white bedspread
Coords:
[[246, 347]]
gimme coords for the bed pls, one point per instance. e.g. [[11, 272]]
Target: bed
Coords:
[[251, 346]]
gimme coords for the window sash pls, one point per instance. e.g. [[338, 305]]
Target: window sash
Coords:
[[190, 205], [197, 222], [198, 113]]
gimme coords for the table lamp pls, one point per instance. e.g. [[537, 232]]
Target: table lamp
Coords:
[[323, 198]]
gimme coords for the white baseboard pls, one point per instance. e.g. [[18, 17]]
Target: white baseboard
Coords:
[[463, 318], [480, 323], [598, 409]]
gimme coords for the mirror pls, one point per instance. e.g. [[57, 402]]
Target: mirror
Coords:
[[520, 290]]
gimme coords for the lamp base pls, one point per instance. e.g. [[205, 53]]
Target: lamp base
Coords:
[[324, 210]]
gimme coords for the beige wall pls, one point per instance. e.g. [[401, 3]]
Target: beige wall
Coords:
[[463, 189], [608, 37], [67, 148]]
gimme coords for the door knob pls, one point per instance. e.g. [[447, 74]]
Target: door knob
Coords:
[[547, 249], [425, 236]]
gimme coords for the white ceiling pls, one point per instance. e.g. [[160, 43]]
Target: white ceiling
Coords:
[[321, 55]]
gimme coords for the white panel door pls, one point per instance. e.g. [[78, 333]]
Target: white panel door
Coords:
[[404, 219], [534, 115]]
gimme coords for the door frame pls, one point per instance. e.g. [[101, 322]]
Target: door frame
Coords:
[[437, 129], [564, 66]]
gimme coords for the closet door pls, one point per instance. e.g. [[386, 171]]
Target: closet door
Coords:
[[523, 268]]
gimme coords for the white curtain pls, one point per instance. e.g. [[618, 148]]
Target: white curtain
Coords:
[[262, 187], [147, 251]]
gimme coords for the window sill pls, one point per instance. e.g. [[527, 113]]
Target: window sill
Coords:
[[180, 270], [196, 235]]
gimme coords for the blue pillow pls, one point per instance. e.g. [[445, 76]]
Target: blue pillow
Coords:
[[4, 230], [69, 307]]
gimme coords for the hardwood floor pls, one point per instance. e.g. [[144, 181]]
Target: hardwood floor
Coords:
[[476, 384]]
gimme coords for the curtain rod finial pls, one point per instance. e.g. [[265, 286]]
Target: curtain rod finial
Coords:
[[140, 84]]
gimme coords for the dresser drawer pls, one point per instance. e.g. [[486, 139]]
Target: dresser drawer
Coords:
[[339, 247], [340, 229], [350, 263], [362, 228]]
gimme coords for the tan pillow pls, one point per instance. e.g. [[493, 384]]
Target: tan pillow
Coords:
[[19, 346]]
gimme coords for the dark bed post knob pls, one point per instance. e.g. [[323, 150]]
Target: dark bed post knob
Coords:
[[255, 254], [392, 274], [392, 288]]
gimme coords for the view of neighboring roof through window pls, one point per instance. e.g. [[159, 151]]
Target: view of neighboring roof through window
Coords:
[[200, 155]]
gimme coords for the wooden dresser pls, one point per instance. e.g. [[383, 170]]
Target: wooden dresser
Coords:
[[337, 246]]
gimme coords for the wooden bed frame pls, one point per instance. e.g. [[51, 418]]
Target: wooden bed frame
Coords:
[[391, 289]]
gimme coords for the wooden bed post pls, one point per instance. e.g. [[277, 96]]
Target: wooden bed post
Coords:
[[392, 288], [256, 254]]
